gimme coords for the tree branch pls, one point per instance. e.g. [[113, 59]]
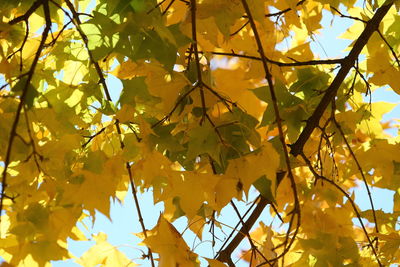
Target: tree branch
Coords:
[[77, 23], [28, 13], [225, 254], [296, 210], [347, 64], [24, 93], [284, 64]]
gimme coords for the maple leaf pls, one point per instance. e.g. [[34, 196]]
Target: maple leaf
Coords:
[[165, 240], [224, 112]]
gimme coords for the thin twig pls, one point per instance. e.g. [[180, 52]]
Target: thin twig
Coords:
[[90, 137], [247, 233], [378, 31], [24, 93], [338, 126], [275, 14], [102, 81], [284, 64], [296, 210], [307, 161], [225, 254]]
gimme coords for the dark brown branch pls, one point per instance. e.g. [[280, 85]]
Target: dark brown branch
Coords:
[[168, 116], [225, 254], [21, 104], [247, 233], [168, 7], [284, 64], [59, 33], [390, 48], [347, 16], [13, 80], [296, 210], [77, 21], [279, 13], [22, 46], [194, 37], [371, 26], [156, 6], [28, 13], [378, 31], [90, 137], [225, 101], [234, 230], [32, 144], [276, 14]]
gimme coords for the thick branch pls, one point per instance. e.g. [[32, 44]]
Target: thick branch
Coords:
[[28, 13], [347, 64], [225, 254]]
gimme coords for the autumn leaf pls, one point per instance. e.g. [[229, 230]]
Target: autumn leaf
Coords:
[[240, 121], [165, 240]]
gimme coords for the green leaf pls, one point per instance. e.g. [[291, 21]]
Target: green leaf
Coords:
[[31, 93], [262, 93], [37, 214], [263, 185], [311, 82], [134, 91], [107, 107], [95, 162], [203, 140], [153, 46]]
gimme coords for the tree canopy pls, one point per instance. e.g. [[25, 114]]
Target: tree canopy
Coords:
[[224, 103]]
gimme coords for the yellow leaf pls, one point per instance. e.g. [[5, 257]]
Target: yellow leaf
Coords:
[[226, 189], [125, 114], [215, 263], [384, 73], [165, 240], [104, 254], [193, 189], [197, 225], [232, 84], [248, 169]]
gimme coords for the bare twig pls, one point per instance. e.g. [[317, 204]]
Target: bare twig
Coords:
[[102, 81], [275, 14], [296, 210], [90, 137], [284, 64], [338, 126], [24, 93], [349, 199], [378, 31], [247, 233]]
